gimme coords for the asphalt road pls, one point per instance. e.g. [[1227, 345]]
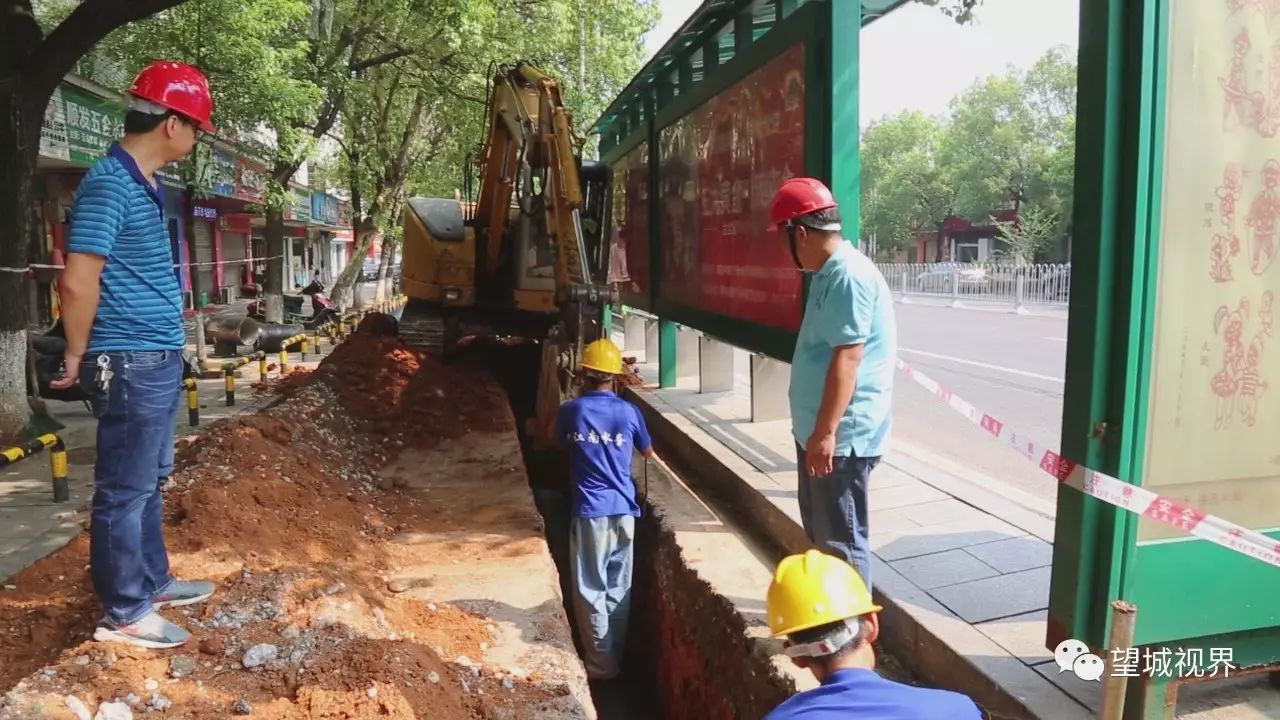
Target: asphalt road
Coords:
[[1010, 366]]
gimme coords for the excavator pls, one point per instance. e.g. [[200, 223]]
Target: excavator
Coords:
[[526, 259]]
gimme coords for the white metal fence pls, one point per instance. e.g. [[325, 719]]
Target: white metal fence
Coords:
[[1001, 283]]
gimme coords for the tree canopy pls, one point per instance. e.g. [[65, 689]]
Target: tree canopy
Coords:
[[1008, 140]]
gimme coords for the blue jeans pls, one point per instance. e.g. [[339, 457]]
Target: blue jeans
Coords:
[[127, 555], [601, 551], [833, 509]]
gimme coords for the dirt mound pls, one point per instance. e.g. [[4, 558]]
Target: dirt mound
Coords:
[[410, 397], [284, 510]]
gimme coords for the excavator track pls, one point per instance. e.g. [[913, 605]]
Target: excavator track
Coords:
[[423, 328]]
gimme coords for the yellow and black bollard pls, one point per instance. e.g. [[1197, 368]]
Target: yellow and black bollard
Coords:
[[229, 375], [262, 365], [306, 343], [193, 402], [57, 461], [59, 469], [284, 360]]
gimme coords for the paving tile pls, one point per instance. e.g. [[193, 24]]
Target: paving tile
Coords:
[[890, 521], [937, 538], [14, 528], [1014, 554], [944, 568], [1022, 635], [1087, 693], [887, 476], [941, 512], [910, 493], [996, 597]]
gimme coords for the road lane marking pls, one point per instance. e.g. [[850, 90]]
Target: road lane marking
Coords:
[[988, 366]]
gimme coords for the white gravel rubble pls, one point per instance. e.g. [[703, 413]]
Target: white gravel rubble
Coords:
[[260, 655], [113, 711], [77, 708]]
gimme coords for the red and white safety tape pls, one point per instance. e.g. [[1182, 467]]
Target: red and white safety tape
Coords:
[[210, 263], [1106, 488]]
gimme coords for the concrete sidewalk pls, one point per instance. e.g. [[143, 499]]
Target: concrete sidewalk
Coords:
[[963, 570], [32, 525]]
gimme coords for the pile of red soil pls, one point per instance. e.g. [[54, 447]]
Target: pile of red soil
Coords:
[[410, 397], [282, 509]]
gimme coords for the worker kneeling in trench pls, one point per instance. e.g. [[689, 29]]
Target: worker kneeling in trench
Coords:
[[601, 431], [822, 607]]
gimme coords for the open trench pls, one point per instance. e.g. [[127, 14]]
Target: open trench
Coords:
[[689, 653]]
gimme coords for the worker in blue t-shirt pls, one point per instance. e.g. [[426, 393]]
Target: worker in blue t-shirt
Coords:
[[822, 607], [602, 431]]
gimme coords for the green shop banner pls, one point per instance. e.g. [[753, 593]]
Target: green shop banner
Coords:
[[301, 207], [92, 124]]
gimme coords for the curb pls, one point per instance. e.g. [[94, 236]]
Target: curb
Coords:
[[919, 632]]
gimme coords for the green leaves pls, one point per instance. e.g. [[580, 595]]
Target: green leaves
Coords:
[[1008, 139], [959, 10], [1033, 232], [906, 188]]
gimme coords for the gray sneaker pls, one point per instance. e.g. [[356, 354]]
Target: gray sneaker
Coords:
[[150, 631], [183, 592]]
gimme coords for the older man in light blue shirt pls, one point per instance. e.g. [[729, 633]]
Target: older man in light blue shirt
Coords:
[[841, 372]]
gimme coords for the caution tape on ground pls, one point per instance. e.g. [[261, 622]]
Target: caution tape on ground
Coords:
[[1110, 490]]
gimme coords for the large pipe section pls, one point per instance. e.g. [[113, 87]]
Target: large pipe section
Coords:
[[238, 329], [270, 336]]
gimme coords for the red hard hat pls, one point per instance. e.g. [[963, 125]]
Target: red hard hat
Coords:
[[179, 87], [797, 197]]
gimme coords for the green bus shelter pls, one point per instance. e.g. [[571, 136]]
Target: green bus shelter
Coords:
[[1173, 380]]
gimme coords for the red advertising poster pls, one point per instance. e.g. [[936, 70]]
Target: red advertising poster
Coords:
[[720, 167], [629, 251]]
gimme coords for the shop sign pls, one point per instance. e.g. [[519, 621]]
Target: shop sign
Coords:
[[222, 173], [301, 207], [251, 180], [53, 131], [324, 208], [204, 212], [93, 123]]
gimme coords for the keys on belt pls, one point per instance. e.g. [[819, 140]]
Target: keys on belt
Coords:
[[102, 376]]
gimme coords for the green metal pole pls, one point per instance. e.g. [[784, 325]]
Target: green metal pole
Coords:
[[666, 354]]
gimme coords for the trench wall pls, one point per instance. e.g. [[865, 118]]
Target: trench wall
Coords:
[[689, 645]]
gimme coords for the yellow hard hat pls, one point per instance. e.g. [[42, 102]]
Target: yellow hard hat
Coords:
[[815, 589], [603, 356]]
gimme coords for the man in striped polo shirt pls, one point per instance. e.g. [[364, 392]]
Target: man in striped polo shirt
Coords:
[[122, 310]]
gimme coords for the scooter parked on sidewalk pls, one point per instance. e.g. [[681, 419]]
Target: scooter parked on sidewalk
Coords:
[[322, 308]]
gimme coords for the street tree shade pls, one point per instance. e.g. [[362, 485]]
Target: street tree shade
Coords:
[[31, 66]]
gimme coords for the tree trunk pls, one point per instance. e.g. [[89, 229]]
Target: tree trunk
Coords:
[[384, 270], [941, 238], [19, 140], [273, 288], [347, 279]]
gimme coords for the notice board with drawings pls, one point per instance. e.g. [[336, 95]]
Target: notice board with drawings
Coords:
[[1177, 205], [1213, 409]]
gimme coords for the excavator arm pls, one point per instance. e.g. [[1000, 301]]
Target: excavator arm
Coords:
[[531, 157], [530, 142]]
